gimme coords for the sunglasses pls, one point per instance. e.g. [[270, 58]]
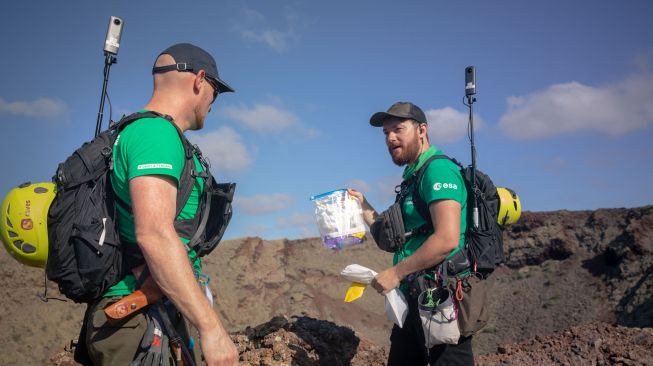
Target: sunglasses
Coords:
[[214, 85]]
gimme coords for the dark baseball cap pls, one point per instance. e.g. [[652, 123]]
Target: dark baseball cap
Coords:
[[189, 57], [400, 110]]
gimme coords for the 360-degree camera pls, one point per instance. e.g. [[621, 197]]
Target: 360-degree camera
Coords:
[[112, 41], [470, 80]]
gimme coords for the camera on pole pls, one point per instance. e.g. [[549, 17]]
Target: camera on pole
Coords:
[[470, 83], [111, 46], [470, 92]]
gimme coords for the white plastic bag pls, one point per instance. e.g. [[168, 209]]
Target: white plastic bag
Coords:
[[396, 307], [339, 219], [358, 273]]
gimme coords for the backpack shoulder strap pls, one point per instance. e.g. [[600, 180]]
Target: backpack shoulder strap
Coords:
[[419, 203], [187, 174], [126, 120]]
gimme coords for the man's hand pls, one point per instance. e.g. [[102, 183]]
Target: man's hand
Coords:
[[387, 280], [218, 349], [356, 194], [369, 214]]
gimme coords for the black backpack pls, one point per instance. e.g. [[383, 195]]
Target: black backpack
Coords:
[[483, 244], [85, 253]]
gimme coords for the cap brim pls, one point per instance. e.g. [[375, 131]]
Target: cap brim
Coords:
[[224, 87], [378, 118]]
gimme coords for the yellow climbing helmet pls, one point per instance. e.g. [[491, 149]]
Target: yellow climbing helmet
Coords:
[[509, 206], [24, 222]]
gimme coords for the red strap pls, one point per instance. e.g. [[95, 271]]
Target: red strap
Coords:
[[459, 290]]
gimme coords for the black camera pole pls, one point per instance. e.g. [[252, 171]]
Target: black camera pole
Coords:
[[108, 61], [470, 92], [111, 46]]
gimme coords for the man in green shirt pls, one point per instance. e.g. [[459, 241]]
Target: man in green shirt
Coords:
[[148, 161], [443, 190]]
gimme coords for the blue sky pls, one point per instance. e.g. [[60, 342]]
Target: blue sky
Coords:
[[564, 109]]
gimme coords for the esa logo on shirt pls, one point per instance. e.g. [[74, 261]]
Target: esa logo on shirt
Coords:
[[438, 186]]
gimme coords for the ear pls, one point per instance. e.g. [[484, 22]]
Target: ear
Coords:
[[199, 79], [422, 128]]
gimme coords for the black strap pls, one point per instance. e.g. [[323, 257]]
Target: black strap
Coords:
[[422, 208], [182, 66], [124, 121], [87, 163], [85, 179], [205, 213], [141, 279], [187, 178], [173, 335], [134, 258], [226, 191], [188, 173], [418, 201]]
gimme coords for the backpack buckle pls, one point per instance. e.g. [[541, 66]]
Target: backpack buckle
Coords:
[[60, 177]]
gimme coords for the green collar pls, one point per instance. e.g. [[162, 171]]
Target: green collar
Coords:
[[412, 168]]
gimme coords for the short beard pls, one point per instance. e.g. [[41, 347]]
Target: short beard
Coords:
[[410, 154]]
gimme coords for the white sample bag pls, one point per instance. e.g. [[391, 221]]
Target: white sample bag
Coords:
[[396, 307], [339, 219], [438, 316]]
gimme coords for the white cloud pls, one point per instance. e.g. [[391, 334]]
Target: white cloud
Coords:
[[262, 118], [296, 220], [253, 15], [556, 164], [311, 132], [301, 225], [277, 40], [449, 125], [262, 231], [359, 185], [255, 29], [263, 204], [613, 109], [39, 108], [386, 187], [308, 232], [223, 148]]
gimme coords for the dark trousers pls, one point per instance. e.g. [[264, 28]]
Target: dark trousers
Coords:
[[407, 345]]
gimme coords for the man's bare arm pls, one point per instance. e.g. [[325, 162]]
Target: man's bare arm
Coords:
[[445, 216], [153, 204]]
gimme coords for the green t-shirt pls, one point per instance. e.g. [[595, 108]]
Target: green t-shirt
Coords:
[[441, 181], [149, 146]]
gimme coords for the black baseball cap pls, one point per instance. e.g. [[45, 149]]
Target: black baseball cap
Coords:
[[189, 57], [400, 110]]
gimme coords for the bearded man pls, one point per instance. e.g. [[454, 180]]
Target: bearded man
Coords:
[[442, 188]]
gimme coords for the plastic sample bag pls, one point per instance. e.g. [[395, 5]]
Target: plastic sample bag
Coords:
[[339, 219], [396, 307]]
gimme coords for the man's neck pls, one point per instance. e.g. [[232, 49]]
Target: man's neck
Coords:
[[170, 109], [424, 147]]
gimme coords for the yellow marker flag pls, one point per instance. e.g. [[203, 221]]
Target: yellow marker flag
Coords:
[[355, 291]]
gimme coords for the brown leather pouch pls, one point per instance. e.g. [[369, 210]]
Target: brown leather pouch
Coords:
[[148, 294]]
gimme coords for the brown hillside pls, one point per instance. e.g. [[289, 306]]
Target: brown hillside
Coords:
[[564, 272]]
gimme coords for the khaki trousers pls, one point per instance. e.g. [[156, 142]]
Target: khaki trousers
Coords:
[[117, 344]]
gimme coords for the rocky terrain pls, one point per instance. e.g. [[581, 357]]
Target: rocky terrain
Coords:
[[577, 288]]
